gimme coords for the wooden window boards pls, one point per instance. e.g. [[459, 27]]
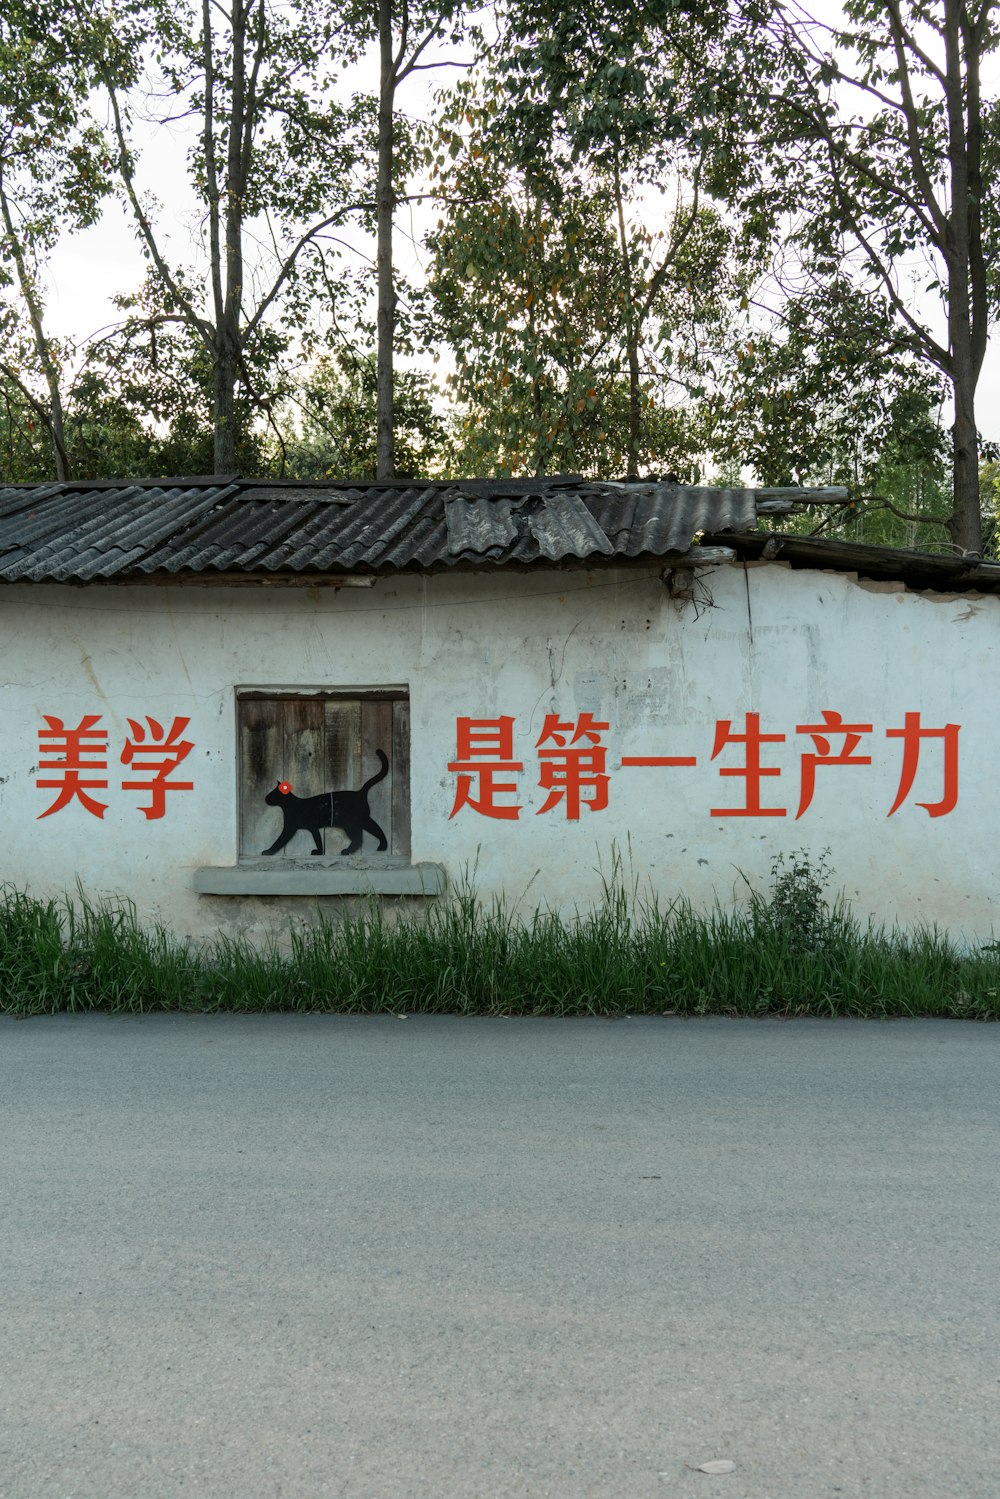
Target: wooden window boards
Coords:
[[323, 742]]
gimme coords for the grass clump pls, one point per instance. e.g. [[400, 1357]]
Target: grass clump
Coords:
[[789, 951]]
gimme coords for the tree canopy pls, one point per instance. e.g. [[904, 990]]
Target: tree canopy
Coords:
[[876, 159], [740, 240]]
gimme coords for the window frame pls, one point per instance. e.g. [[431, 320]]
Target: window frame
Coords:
[[334, 753]]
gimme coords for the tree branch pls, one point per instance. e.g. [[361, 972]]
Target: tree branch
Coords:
[[816, 118], [404, 37], [422, 67], [906, 36], [251, 99], [211, 166], [293, 254], [413, 66], [10, 373], [200, 326], [934, 351], [884, 504], [920, 171], [676, 246], [43, 346]]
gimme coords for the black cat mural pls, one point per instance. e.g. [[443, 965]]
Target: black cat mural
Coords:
[[331, 809]]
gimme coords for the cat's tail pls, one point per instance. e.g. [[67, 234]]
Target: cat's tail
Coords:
[[374, 780]]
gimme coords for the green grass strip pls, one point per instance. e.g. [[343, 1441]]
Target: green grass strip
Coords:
[[466, 957]]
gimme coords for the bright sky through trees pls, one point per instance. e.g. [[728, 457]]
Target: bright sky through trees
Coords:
[[89, 268]]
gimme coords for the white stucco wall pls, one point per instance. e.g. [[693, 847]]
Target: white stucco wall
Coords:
[[611, 643]]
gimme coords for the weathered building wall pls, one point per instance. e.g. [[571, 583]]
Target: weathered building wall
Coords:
[[664, 676]]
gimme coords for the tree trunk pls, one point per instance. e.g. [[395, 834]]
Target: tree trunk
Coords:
[[228, 341], [965, 527], [631, 338], [385, 454], [43, 349], [224, 405], [536, 406], [56, 423], [962, 244], [634, 411]]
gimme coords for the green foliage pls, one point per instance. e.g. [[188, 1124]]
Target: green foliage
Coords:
[[989, 486], [578, 329], [139, 406], [330, 422], [150, 382], [796, 908], [830, 395], [787, 955], [25, 451], [875, 156], [54, 166], [652, 85], [522, 296], [279, 161], [54, 176], [613, 184]]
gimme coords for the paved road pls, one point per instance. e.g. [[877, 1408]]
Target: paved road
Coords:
[[473, 1259]]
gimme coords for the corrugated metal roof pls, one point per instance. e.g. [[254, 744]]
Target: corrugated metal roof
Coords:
[[564, 527], [479, 526], [78, 532], [936, 571]]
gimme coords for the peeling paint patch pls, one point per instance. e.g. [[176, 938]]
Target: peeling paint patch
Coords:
[[591, 689], [876, 585]]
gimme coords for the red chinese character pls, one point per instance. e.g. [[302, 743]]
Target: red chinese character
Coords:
[[485, 749], [155, 758], [820, 733], [911, 735], [753, 771], [73, 752], [657, 760], [566, 772]]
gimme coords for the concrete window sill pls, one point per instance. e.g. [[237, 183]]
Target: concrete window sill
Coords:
[[288, 877]]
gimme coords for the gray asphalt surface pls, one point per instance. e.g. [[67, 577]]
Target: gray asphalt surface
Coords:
[[471, 1259]]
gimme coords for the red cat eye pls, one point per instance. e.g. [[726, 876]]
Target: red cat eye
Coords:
[[284, 787]]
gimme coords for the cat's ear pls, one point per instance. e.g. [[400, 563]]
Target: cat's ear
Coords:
[[284, 787]]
